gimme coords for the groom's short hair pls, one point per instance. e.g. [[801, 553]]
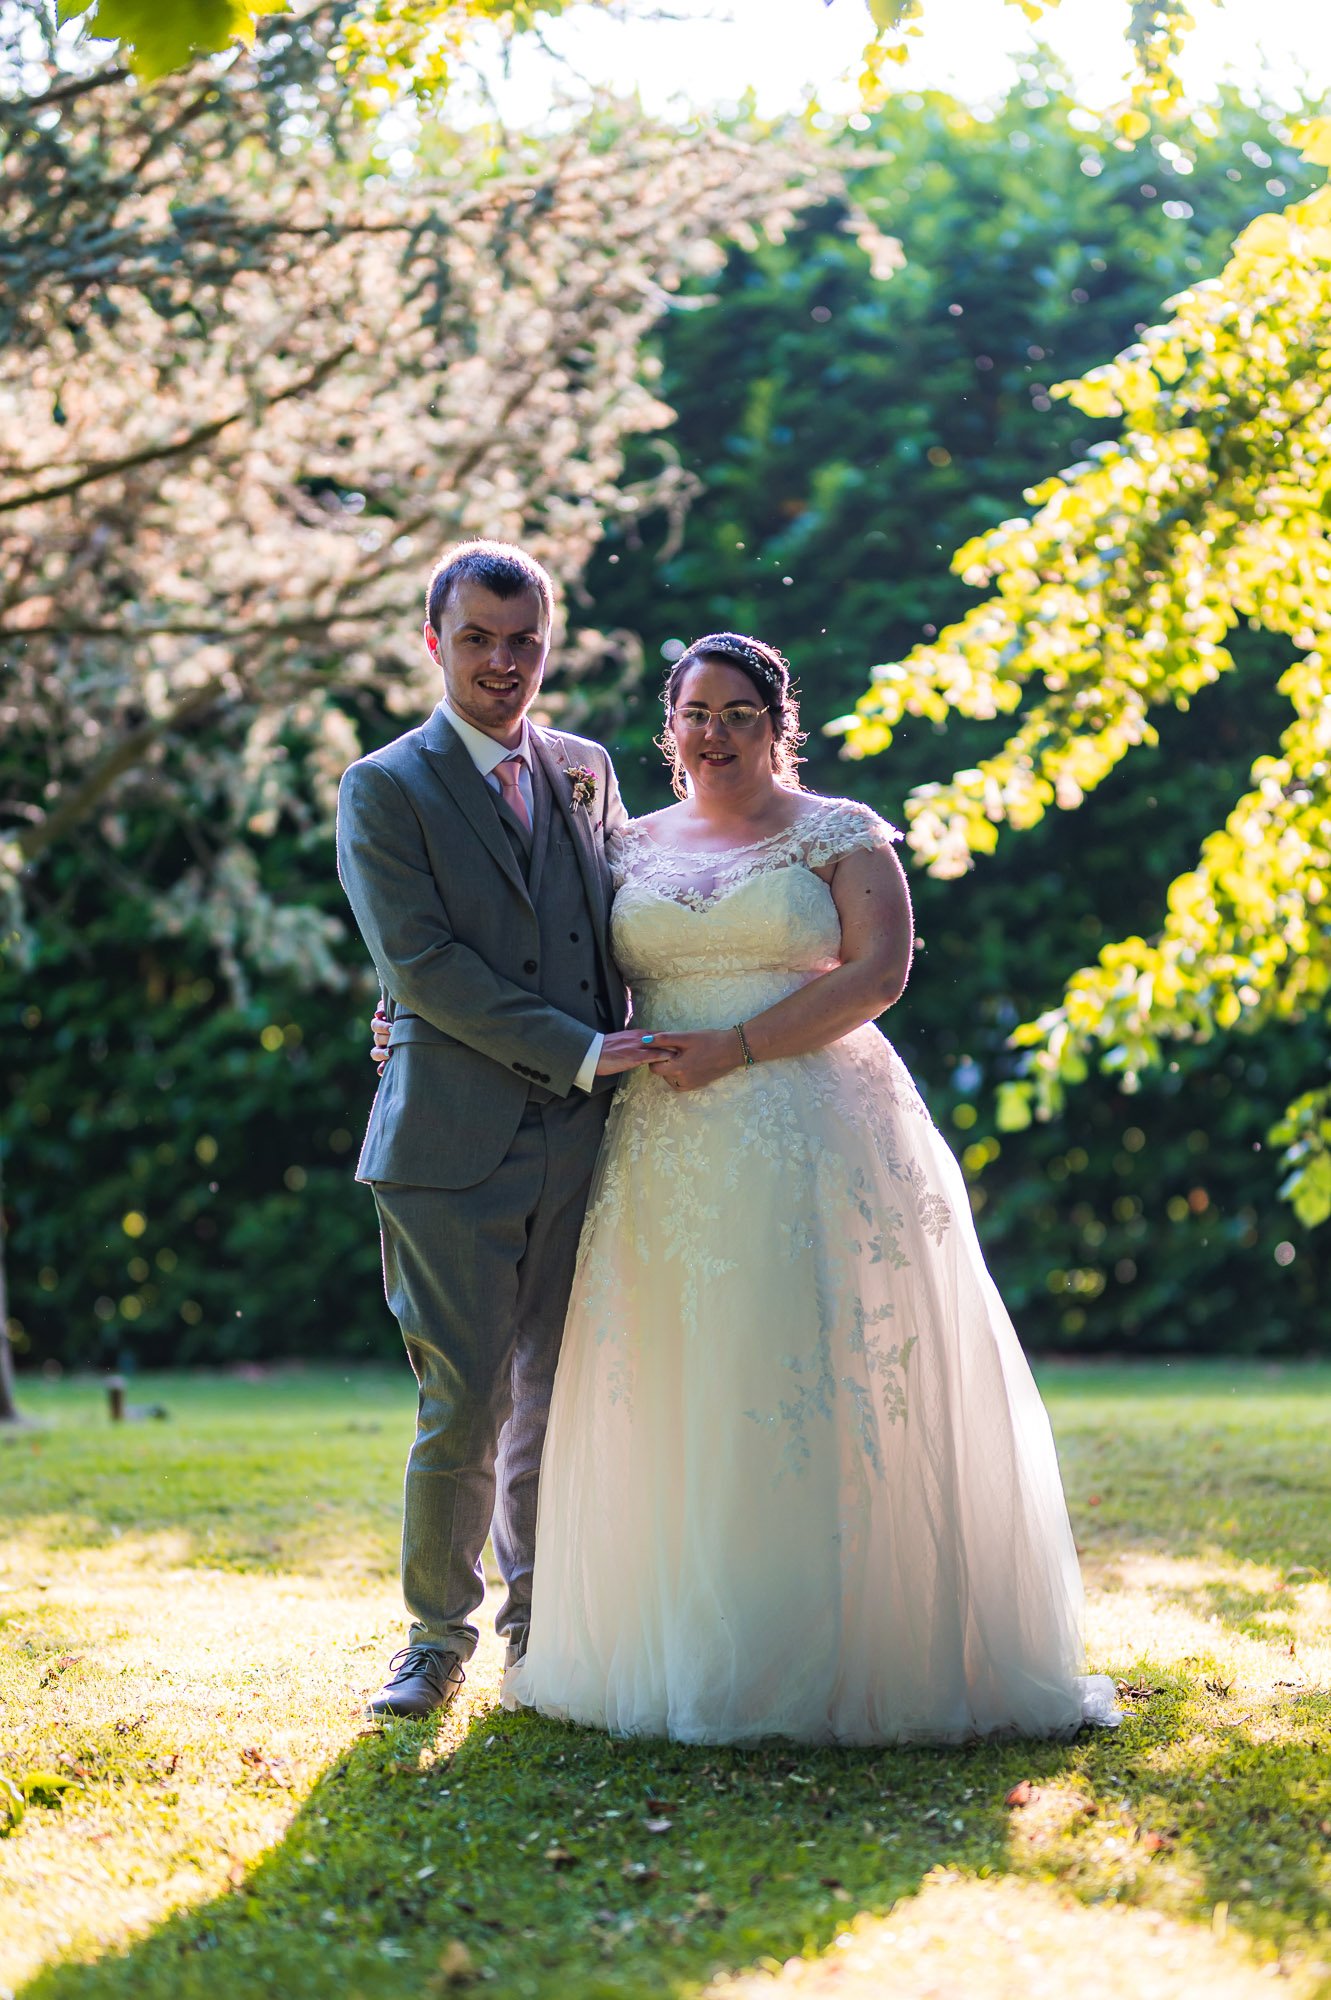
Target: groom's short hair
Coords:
[[502, 567]]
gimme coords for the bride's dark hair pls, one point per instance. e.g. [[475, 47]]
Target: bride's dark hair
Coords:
[[769, 671]]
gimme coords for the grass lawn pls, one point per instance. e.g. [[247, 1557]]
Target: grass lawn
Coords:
[[190, 1611]]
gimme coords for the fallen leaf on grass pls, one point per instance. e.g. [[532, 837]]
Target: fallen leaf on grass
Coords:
[[1022, 1794], [1154, 1842], [1221, 1689], [58, 1667], [267, 1769], [640, 1873], [456, 1968], [559, 1857], [1136, 1690], [655, 1805], [658, 1825], [129, 1724]]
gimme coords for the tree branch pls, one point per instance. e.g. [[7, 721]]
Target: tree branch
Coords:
[[108, 468], [313, 620], [129, 751], [63, 93]]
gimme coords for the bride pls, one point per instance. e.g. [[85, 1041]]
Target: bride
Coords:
[[797, 1480]]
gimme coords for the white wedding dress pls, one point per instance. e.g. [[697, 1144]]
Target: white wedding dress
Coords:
[[798, 1480]]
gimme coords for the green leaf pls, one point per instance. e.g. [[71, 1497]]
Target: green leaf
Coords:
[[160, 38], [1314, 137], [889, 14], [13, 1805], [1309, 1189], [1014, 1107]]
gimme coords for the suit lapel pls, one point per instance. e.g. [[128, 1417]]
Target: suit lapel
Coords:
[[449, 757]]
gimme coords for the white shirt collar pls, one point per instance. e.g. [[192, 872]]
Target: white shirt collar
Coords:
[[483, 750]]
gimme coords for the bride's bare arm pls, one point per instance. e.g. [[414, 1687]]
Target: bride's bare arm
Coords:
[[877, 932]]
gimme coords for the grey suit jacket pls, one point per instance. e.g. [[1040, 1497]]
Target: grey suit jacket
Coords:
[[455, 937]]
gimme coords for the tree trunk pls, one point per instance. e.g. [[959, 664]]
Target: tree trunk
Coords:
[[8, 1407]]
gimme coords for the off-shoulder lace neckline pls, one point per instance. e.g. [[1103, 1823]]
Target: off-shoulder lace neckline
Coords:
[[700, 876], [814, 812]]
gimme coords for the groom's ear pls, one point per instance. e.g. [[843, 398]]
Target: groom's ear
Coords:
[[431, 641]]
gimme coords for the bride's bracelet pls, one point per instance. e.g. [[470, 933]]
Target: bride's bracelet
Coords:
[[744, 1044]]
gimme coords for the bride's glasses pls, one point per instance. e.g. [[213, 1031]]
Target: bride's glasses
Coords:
[[735, 715]]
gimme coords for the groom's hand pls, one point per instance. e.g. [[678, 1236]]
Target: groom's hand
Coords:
[[380, 1030], [629, 1050], [700, 1056]]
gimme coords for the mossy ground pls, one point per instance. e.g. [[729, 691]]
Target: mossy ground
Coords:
[[190, 1610]]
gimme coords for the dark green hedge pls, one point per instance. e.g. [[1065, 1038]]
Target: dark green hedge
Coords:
[[849, 434]]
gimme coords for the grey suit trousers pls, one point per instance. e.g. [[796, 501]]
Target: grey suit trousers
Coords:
[[479, 1280]]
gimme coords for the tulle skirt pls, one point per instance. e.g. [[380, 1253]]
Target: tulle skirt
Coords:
[[798, 1480]]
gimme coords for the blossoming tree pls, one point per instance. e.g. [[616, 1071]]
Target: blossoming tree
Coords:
[[253, 376]]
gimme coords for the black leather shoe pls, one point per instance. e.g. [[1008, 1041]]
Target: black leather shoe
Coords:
[[420, 1680]]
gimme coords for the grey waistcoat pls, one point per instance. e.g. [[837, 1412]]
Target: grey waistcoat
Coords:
[[573, 977]]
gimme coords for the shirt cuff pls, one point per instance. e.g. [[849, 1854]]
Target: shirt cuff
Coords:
[[586, 1076]]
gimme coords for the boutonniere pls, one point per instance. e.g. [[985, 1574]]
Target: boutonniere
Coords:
[[582, 783]]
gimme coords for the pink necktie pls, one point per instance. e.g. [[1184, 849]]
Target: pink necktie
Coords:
[[508, 776]]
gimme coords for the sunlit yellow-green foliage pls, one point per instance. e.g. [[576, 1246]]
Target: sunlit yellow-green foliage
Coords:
[[388, 41], [1155, 31], [1118, 596], [384, 42]]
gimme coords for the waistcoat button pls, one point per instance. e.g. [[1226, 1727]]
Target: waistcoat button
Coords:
[[529, 965]]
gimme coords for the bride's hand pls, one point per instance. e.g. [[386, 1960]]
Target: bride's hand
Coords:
[[627, 1050], [701, 1056], [380, 1029]]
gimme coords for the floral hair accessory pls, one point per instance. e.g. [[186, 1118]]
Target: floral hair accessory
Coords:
[[583, 782]]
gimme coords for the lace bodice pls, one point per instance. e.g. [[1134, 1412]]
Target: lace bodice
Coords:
[[825, 830], [700, 934]]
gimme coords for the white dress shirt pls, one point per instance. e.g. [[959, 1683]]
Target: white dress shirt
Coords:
[[487, 755]]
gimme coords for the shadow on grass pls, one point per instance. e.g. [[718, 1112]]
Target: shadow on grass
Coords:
[[1254, 1614], [562, 1862], [551, 1861]]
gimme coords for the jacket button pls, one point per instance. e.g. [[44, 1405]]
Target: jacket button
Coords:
[[573, 937], [586, 985], [529, 965]]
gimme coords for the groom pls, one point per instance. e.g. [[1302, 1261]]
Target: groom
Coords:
[[472, 850]]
